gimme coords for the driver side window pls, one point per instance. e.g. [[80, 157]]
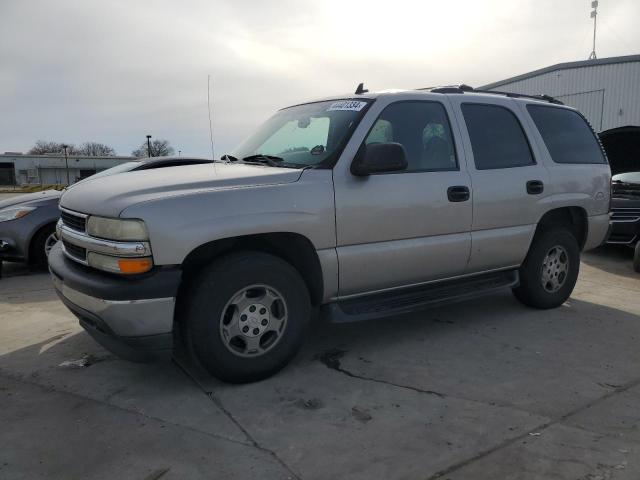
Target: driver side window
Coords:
[[423, 129]]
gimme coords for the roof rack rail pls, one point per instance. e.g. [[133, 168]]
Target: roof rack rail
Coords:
[[462, 88], [546, 98]]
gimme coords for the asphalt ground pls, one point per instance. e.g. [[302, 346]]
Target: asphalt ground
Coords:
[[486, 389]]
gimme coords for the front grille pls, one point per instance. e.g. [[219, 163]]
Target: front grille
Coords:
[[625, 214], [75, 222], [75, 251], [625, 189], [625, 238]]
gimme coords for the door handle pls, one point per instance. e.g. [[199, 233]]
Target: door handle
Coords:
[[535, 187], [458, 193]]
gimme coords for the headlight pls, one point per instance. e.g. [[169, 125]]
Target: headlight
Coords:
[[127, 266], [14, 213], [117, 229]]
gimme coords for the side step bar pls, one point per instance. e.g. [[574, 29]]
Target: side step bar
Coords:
[[418, 298]]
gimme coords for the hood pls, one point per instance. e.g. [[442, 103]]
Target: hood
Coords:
[[110, 195], [31, 199]]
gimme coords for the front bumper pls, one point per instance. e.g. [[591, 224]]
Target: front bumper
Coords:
[[131, 317], [15, 236], [624, 232], [598, 231]]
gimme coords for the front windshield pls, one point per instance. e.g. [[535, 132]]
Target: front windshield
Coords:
[[305, 134]]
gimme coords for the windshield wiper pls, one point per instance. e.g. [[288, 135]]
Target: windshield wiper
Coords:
[[228, 157], [270, 160]]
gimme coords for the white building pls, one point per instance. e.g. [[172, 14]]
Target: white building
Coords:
[[24, 169], [606, 91]]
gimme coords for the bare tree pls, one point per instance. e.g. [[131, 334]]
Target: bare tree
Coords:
[[42, 148], [159, 148], [95, 149]]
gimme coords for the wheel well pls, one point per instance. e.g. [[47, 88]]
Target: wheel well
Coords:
[[574, 218], [31, 252], [294, 248]]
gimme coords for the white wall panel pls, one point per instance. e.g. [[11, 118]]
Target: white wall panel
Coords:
[[616, 86]]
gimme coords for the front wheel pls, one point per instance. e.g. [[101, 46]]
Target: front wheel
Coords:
[[550, 271], [636, 258], [246, 316], [41, 245]]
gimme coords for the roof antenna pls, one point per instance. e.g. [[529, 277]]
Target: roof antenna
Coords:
[[594, 15], [360, 90], [210, 122]]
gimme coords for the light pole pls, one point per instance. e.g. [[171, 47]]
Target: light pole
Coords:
[[179, 152], [66, 163], [149, 146]]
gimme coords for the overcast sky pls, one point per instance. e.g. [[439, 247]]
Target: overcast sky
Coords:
[[114, 70]]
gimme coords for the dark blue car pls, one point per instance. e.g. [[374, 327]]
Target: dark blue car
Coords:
[[28, 222]]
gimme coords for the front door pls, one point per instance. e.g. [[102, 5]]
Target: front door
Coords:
[[410, 227]]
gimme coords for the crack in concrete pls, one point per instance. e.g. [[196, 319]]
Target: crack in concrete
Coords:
[[253, 442], [510, 441], [51, 388], [331, 359]]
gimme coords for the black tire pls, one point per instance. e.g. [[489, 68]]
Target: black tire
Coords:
[[37, 253], [636, 258], [531, 291], [210, 293]]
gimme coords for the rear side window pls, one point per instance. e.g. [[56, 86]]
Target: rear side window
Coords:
[[497, 138], [567, 135]]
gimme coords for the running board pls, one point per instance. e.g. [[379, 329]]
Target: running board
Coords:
[[412, 299]]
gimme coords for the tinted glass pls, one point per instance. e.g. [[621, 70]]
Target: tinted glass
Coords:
[[423, 129], [497, 138], [567, 135]]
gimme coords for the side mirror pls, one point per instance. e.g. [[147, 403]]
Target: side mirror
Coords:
[[379, 158]]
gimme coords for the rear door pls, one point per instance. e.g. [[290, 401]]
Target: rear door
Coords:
[[399, 229], [509, 185]]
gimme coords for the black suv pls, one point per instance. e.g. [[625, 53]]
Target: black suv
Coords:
[[625, 212]]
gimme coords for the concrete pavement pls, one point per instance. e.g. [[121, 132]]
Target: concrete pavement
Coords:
[[487, 389]]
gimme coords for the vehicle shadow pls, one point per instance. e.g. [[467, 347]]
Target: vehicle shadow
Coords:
[[615, 259], [467, 374], [13, 269], [23, 286], [458, 341]]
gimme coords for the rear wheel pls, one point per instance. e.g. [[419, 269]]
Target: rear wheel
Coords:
[[41, 244], [636, 258], [550, 271], [246, 316]]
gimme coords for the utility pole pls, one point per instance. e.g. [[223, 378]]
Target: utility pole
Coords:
[[149, 146], [66, 163], [594, 15]]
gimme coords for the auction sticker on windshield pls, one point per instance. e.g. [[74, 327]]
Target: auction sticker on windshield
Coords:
[[351, 105]]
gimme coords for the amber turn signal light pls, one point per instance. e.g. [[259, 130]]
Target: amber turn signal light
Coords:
[[134, 265]]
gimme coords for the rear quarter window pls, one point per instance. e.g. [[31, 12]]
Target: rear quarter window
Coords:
[[567, 135]]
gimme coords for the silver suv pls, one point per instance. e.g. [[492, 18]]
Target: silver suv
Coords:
[[356, 207]]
